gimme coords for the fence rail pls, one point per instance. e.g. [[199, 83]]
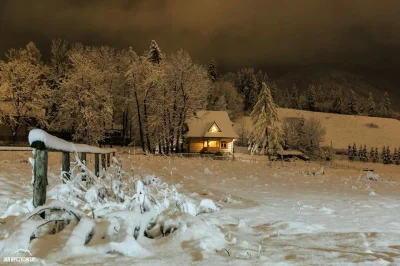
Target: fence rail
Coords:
[[43, 143]]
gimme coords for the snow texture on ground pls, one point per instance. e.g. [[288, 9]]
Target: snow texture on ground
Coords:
[[267, 215]]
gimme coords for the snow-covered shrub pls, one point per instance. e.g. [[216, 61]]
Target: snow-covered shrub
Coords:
[[116, 208]]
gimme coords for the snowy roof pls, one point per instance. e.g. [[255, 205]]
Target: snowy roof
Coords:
[[211, 124]]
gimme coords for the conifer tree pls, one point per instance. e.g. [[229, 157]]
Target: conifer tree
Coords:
[[354, 150], [212, 71], [337, 106], [360, 153], [386, 109], [274, 91], [267, 133], [376, 156], [286, 99], [384, 154], [371, 105], [388, 156], [352, 103], [365, 154], [395, 156], [155, 56], [397, 162], [311, 98], [350, 153], [294, 101], [372, 153]]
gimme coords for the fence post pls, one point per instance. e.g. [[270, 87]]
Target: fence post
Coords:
[[108, 160], [39, 173], [96, 164], [83, 159], [65, 165], [103, 161]]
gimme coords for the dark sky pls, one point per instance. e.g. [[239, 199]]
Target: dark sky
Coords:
[[238, 33]]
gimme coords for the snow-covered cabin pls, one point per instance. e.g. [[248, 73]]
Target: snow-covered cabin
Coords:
[[210, 132]]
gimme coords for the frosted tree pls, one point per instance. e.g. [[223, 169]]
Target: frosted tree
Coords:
[[397, 161], [246, 82], [371, 105], [154, 56], [386, 109], [388, 156], [294, 100], [85, 97], [212, 71], [354, 150], [23, 89], [337, 105], [350, 153], [352, 103], [311, 98], [384, 154], [376, 156], [145, 80], [188, 86], [365, 154], [395, 155], [233, 100], [266, 134], [286, 99], [371, 153]]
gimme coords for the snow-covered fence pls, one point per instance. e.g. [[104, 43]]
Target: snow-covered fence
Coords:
[[42, 142]]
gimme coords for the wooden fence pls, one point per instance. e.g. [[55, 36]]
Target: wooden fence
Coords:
[[43, 143]]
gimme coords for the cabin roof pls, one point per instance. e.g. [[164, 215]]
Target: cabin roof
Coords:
[[200, 125]]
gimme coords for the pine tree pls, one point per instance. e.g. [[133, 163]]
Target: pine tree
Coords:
[[388, 156], [386, 109], [294, 101], [155, 56], [212, 71], [286, 99], [274, 91], [371, 104], [337, 106], [398, 157], [383, 157], [395, 156], [371, 153], [354, 151], [360, 153], [350, 153], [311, 98], [352, 103], [376, 156], [266, 134], [365, 154]]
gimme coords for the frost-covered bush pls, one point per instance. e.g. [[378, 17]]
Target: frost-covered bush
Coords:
[[117, 208]]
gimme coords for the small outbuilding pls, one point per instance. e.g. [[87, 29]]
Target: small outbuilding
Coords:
[[210, 132]]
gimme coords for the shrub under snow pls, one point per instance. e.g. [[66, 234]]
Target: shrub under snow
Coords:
[[104, 212]]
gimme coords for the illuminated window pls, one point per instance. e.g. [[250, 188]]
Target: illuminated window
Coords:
[[214, 128]]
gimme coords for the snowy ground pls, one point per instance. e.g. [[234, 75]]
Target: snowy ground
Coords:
[[271, 214]]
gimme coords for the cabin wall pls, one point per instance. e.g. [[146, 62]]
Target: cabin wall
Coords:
[[197, 145]]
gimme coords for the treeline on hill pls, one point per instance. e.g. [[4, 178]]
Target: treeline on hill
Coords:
[[363, 155]]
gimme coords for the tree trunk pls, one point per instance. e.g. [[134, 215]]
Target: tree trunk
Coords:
[[140, 123], [146, 125]]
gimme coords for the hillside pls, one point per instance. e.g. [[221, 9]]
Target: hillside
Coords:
[[344, 129], [362, 82]]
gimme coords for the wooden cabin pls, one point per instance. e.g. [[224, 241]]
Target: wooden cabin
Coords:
[[210, 132]]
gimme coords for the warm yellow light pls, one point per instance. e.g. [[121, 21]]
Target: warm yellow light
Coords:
[[214, 128]]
